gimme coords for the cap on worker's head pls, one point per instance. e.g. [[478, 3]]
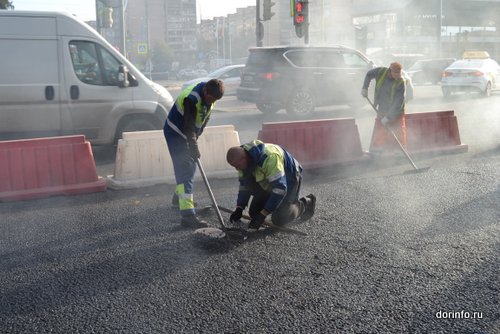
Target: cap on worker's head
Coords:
[[396, 67]]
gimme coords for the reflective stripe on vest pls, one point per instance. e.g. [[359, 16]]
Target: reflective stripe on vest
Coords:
[[202, 112]]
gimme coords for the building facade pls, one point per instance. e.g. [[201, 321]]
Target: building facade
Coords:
[[434, 28], [160, 24]]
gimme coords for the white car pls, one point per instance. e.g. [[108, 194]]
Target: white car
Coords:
[[230, 75], [466, 75]]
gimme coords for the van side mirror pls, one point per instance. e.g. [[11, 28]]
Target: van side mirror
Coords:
[[123, 77]]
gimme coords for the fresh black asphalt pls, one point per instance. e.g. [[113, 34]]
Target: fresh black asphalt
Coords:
[[386, 252]]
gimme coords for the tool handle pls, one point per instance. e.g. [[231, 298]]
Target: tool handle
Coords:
[[403, 149], [267, 223], [205, 179], [395, 138]]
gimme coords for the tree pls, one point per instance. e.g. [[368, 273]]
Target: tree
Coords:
[[161, 55], [5, 4]]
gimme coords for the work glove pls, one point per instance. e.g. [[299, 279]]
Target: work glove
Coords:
[[364, 92], [384, 121], [257, 221], [194, 152], [236, 215]]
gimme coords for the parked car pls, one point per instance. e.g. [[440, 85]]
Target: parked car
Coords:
[[300, 78], [186, 74], [62, 77], [428, 70], [471, 75], [230, 75]]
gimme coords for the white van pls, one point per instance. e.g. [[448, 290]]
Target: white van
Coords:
[[58, 76]]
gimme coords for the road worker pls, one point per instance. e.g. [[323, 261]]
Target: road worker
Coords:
[[390, 104], [185, 123], [272, 177]]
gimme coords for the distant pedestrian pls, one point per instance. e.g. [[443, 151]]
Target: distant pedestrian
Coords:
[[272, 177], [185, 123], [390, 104]]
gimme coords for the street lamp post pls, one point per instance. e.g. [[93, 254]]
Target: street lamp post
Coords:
[[440, 24]]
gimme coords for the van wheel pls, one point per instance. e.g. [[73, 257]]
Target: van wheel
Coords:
[[135, 124], [300, 103], [268, 108]]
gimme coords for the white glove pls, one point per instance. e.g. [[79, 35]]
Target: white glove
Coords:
[[384, 121], [364, 92]]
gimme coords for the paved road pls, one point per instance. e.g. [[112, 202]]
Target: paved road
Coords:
[[386, 252]]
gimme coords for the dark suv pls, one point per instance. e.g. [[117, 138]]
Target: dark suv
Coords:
[[300, 78]]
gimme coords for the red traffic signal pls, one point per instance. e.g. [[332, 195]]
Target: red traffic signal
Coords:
[[300, 12]]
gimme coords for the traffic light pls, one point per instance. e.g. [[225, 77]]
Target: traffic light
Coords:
[[267, 14], [300, 13]]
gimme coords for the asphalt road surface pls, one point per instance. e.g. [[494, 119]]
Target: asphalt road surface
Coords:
[[386, 252]]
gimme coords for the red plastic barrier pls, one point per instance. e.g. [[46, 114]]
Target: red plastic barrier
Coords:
[[433, 132], [42, 167], [316, 143]]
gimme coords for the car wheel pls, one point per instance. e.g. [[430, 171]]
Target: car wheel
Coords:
[[268, 108], [487, 90], [446, 92], [300, 103], [135, 124]]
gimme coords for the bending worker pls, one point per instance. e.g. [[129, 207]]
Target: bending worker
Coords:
[[185, 123], [390, 104], [273, 177]]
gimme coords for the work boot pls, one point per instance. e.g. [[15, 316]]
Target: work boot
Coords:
[[193, 221], [309, 205]]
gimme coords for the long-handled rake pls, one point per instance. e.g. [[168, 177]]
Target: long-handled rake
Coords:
[[407, 155], [268, 223], [233, 232]]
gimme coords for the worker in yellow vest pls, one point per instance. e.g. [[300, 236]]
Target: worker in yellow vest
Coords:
[[390, 89], [185, 123]]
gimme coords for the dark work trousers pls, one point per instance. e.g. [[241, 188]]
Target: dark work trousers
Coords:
[[290, 208], [184, 169]]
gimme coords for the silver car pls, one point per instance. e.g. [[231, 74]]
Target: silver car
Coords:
[[471, 75], [230, 75]]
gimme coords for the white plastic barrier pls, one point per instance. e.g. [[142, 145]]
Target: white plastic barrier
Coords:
[[142, 157]]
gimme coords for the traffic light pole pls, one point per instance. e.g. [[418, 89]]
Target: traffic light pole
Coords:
[[306, 32], [259, 32]]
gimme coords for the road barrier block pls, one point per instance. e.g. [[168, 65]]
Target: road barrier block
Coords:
[[142, 157], [433, 132], [316, 143], [41, 167]]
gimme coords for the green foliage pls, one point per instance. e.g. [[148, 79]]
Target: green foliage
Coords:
[[5, 4], [161, 54]]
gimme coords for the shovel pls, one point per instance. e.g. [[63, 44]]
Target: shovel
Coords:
[[407, 155]]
